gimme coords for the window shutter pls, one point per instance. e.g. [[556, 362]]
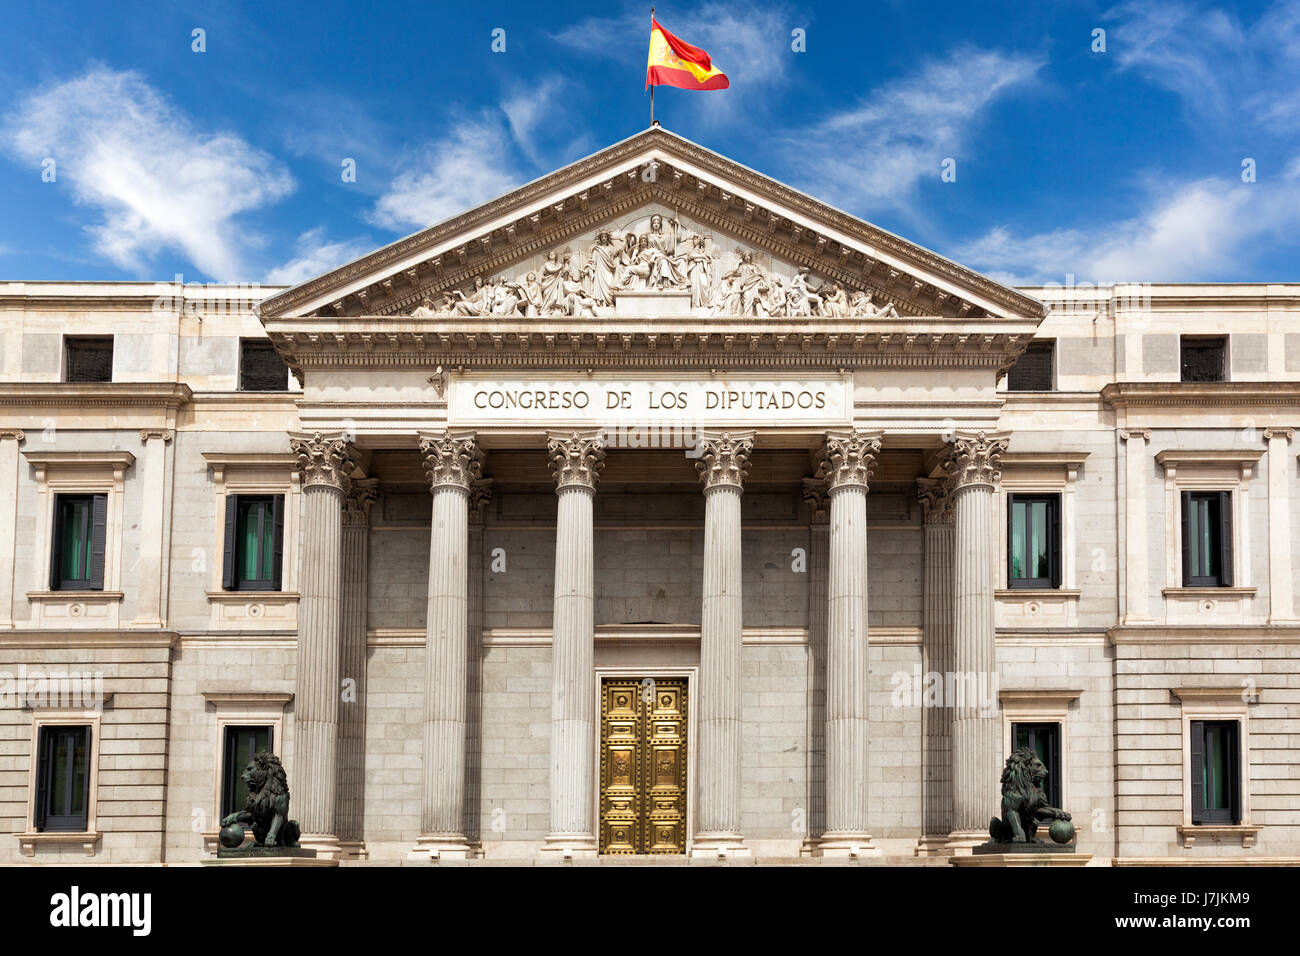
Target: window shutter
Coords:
[[277, 559], [1225, 538], [1054, 536], [56, 546], [98, 533], [1197, 730], [43, 747], [228, 551], [1187, 538], [1234, 771]]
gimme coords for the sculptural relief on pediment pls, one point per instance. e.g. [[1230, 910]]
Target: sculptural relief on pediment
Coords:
[[658, 255]]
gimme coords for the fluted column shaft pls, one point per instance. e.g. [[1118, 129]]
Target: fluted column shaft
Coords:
[[976, 732], [453, 464], [722, 469], [321, 462], [936, 657], [352, 664], [576, 460]]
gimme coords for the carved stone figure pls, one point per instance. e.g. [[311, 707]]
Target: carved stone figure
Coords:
[[267, 806], [1024, 804], [699, 272], [603, 267], [476, 303]]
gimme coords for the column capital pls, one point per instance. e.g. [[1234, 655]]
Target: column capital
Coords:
[[358, 496], [1283, 432], [847, 459], [1128, 434], [12, 434], [724, 458], [165, 434], [816, 494], [322, 458], [936, 499], [576, 459], [975, 458], [451, 459], [480, 492]]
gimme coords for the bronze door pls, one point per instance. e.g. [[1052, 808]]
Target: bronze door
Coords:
[[643, 765]]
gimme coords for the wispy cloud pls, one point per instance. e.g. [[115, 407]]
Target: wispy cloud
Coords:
[[158, 181], [873, 154], [316, 255], [1224, 70], [1202, 230]]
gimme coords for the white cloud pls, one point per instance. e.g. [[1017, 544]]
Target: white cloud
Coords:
[[1203, 231], [316, 256], [876, 152], [157, 181]]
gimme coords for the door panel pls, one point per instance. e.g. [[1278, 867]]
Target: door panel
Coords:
[[643, 766]]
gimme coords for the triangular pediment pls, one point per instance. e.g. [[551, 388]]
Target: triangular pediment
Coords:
[[584, 240]]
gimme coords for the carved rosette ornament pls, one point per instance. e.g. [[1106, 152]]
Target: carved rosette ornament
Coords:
[[357, 500], [975, 458], [451, 460], [576, 459], [847, 459], [936, 499], [322, 459], [724, 459]]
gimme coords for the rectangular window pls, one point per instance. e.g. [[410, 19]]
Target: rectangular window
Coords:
[[1215, 772], [62, 779], [88, 358], [1033, 541], [261, 369], [1034, 370], [1203, 359], [1045, 741], [77, 556], [239, 746], [1207, 539], [254, 543]]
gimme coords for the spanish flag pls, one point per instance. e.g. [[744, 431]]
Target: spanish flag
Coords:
[[675, 62]]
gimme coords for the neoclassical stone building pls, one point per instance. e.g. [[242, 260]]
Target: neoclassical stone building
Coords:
[[653, 508]]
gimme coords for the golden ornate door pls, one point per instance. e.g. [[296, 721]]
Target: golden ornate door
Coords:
[[643, 765]]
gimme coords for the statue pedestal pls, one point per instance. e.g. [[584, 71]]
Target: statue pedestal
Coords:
[[652, 302], [1024, 854], [269, 856]]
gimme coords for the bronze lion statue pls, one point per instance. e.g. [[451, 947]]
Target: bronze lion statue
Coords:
[[267, 807], [1024, 804]]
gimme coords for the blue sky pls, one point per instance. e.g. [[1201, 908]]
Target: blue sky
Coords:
[[1122, 165]]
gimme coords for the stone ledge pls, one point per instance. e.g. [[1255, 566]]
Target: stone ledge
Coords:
[[1246, 833], [87, 839]]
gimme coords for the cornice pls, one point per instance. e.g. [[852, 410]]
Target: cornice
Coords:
[[670, 183], [86, 638], [1181, 456], [113, 459], [1197, 634], [1199, 394], [103, 394]]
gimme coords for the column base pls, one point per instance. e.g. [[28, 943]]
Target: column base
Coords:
[[353, 850], [932, 844], [961, 842], [720, 846], [559, 847], [847, 846], [445, 846], [326, 845]]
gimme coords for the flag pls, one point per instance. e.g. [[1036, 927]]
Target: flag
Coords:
[[675, 62]]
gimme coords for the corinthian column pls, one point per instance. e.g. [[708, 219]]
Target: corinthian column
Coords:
[[847, 460], [576, 459], [973, 469], [352, 666], [453, 462], [722, 470], [936, 657], [322, 465]]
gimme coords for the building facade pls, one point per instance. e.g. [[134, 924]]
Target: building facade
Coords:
[[653, 508]]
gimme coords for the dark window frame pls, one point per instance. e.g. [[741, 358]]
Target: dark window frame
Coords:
[[1218, 512], [263, 345], [46, 820], [233, 761], [1203, 734], [89, 343], [234, 554], [1039, 346], [1192, 348], [1052, 734], [96, 517], [1053, 518]]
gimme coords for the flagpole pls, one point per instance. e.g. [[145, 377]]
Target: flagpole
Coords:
[[652, 86]]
